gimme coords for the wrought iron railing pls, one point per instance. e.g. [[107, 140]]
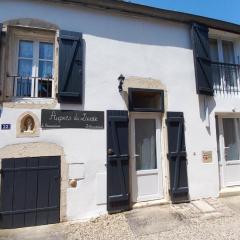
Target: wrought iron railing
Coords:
[[226, 77], [32, 87]]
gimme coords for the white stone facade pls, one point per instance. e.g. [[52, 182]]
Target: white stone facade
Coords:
[[142, 49]]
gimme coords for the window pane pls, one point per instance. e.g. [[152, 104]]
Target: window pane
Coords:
[[45, 69], [46, 51], [24, 87], [214, 57], [228, 52], [25, 67], [230, 139], [213, 50], [145, 144], [44, 88], [26, 49]]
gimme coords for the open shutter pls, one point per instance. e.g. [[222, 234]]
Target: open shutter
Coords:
[[117, 161], [70, 85], [0, 43], [202, 60], [177, 157], [0, 33]]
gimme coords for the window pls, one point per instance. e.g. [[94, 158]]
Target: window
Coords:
[[224, 68], [146, 100], [34, 69]]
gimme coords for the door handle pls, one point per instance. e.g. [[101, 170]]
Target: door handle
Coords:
[[110, 151], [225, 151], [136, 155]]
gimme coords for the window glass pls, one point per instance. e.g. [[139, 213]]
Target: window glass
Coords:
[[25, 63], [145, 144], [25, 67], [25, 60], [45, 60], [45, 69], [25, 49], [44, 88], [214, 50], [46, 51], [228, 52], [30, 82], [230, 139]]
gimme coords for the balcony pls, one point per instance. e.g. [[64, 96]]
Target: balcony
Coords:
[[226, 78], [31, 87]]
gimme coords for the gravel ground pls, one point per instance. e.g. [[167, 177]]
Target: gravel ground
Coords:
[[170, 222], [105, 227]]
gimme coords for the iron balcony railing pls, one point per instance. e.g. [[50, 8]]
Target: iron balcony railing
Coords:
[[32, 87], [226, 77]]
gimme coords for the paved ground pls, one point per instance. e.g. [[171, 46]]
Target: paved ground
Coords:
[[199, 220]]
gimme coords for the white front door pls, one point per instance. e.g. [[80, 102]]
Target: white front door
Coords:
[[229, 147], [146, 170]]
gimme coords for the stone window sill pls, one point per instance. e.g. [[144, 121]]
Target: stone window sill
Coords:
[[30, 103]]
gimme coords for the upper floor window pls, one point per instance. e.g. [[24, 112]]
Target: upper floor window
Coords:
[[35, 69], [225, 71], [222, 51]]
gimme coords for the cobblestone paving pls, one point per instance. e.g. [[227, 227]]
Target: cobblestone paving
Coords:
[[199, 220]]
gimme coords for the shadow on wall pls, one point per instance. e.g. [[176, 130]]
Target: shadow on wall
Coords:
[[206, 106]]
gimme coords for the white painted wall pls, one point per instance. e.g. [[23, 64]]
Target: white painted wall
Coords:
[[132, 46]]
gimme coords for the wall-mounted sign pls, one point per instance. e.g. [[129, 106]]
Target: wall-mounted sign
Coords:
[[207, 156], [6, 126], [72, 119]]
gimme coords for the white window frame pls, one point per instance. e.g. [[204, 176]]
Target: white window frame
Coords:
[[36, 36], [35, 66], [220, 40]]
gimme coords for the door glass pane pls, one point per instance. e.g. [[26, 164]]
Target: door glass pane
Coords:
[[145, 144], [230, 139]]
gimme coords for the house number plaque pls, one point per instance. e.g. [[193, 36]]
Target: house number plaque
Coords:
[[207, 156], [72, 119]]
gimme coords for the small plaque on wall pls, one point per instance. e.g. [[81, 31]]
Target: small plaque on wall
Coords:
[[72, 119], [207, 156]]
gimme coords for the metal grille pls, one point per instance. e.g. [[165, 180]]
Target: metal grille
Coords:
[[32, 87], [226, 77]]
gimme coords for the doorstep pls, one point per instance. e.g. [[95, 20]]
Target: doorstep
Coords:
[[150, 203], [229, 191]]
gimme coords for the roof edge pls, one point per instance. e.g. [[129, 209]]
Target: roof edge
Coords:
[[147, 11]]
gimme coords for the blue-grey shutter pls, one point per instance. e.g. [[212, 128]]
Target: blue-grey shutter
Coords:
[[177, 157], [70, 85], [202, 60], [118, 197], [0, 41], [30, 191]]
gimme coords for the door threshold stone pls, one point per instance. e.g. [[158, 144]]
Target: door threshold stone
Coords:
[[150, 203], [229, 191]]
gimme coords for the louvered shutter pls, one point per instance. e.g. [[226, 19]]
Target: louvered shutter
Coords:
[[117, 161], [202, 60], [70, 85], [177, 157]]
